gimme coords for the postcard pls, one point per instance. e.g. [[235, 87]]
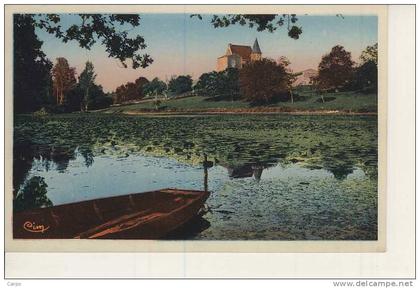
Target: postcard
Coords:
[[196, 128]]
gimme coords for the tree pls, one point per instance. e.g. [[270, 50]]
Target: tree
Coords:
[[103, 28], [207, 83], [370, 54], [64, 79], [263, 22], [223, 84], [32, 82], [180, 84], [31, 69], [154, 88], [366, 74], [86, 82], [140, 82], [291, 77], [130, 91], [262, 81], [98, 98], [75, 100], [231, 82], [335, 69]]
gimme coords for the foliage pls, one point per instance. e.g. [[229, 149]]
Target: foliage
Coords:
[[86, 83], [130, 91], [365, 77], [32, 195], [223, 84], [155, 87], [140, 82], [370, 54], [335, 69], [98, 99], [103, 28], [262, 81], [41, 112], [64, 79], [32, 84], [290, 76], [263, 22], [32, 79], [76, 101], [180, 84]]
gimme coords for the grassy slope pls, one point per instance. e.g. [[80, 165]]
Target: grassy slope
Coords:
[[344, 101]]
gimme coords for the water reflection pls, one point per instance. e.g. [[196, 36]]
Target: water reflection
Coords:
[[263, 163], [32, 195]]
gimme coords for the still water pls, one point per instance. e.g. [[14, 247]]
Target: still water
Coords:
[[273, 177]]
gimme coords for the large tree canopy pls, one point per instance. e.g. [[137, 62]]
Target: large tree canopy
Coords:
[[221, 85], [31, 68], [86, 83], [370, 54], [335, 69], [31, 71], [262, 81], [155, 87], [268, 22], [64, 79], [130, 91], [180, 84], [366, 74], [103, 28]]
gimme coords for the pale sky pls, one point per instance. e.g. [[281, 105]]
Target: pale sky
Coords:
[[183, 45]]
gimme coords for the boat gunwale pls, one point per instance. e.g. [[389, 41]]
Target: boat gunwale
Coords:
[[164, 190], [205, 194]]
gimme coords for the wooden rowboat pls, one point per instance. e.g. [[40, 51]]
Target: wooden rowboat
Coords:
[[148, 215]]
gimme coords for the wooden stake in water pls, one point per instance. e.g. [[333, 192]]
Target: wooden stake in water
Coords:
[[206, 173]]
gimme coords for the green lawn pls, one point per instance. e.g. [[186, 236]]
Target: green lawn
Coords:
[[307, 101]]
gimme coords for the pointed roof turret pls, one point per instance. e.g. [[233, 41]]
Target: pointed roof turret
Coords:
[[256, 47]]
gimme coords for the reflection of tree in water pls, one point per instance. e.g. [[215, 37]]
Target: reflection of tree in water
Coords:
[[340, 172], [370, 168], [32, 195], [247, 170], [87, 154], [340, 167], [61, 157], [22, 163], [245, 145], [25, 153]]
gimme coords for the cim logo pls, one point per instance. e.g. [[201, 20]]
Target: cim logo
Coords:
[[34, 228]]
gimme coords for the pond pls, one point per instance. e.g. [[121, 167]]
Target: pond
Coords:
[[279, 177]]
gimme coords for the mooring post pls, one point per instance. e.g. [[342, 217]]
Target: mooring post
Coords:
[[206, 173]]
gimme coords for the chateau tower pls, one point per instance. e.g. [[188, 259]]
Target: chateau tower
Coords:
[[256, 51], [237, 56]]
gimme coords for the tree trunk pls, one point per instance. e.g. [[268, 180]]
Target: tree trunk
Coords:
[[156, 106], [291, 95], [61, 94], [86, 99]]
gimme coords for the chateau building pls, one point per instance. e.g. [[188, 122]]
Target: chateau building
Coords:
[[238, 55]]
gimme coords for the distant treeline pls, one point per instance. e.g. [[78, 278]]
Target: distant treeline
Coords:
[[265, 81]]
